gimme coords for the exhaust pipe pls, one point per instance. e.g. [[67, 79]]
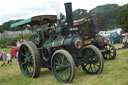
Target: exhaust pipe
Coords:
[[95, 23], [68, 9]]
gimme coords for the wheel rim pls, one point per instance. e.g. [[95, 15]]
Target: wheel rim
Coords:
[[26, 61], [93, 63], [110, 53], [61, 68]]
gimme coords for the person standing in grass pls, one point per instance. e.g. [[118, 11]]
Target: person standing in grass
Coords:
[[4, 56], [125, 42], [9, 58]]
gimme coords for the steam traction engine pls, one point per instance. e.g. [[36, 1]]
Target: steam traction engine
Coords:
[[88, 30], [57, 48]]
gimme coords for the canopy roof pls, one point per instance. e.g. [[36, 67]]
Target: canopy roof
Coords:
[[79, 22], [36, 20]]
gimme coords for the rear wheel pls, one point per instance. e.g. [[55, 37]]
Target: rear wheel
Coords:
[[63, 66], [94, 61], [110, 53], [29, 60]]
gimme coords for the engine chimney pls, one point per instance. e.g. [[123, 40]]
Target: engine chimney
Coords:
[[68, 9]]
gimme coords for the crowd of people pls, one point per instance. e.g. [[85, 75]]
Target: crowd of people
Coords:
[[6, 58]]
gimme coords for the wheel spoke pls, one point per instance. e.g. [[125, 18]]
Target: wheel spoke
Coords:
[[110, 56], [30, 59], [29, 69], [25, 49], [95, 68], [62, 59], [91, 67], [90, 53], [56, 64], [86, 65], [58, 61], [97, 65], [65, 66], [23, 54], [23, 63], [26, 71]]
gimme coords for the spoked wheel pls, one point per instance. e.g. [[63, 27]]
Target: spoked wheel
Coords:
[[63, 66], [110, 53], [29, 60], [94, 62]]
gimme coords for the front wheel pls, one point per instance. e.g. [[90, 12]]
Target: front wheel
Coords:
[[94, 62], [63, 66]]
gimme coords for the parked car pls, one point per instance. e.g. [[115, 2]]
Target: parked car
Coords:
[[114, 38], [105, 33]]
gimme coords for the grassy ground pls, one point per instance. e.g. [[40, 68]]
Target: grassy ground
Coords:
[[115, 73]]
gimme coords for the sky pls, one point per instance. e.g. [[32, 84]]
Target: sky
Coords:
[[23, 9]]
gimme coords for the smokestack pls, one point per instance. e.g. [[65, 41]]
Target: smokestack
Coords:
[[68, 9], [95, 23]]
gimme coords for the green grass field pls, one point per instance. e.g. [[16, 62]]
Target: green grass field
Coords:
[[115, 73]]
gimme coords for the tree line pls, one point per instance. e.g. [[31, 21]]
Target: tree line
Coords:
[[110, 16]]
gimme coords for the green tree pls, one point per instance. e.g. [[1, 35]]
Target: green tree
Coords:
[[6, 26], [122, 17], [79, 14], [106, 15]]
